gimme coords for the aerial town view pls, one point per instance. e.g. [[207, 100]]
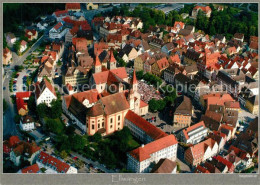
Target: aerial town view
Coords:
[[130, 88]]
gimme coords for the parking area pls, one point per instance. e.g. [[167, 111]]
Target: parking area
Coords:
[[245, 116], [162, 120], [19, 82]]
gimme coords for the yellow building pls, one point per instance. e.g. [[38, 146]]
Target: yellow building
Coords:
[[139, 61], [252, 104], [92, 6], [159, 66]]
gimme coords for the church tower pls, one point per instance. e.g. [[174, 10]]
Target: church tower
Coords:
[[112, 61], [134, 82], [97, 65]]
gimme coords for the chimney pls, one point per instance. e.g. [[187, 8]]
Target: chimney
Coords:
[[142, 145]]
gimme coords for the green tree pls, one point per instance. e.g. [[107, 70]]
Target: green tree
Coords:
[[70, 130], [55, 126], [56, 109], [153, 105], [32, 104], [252, 31], [42, 110], [77, 142], [17, 118], [17, 46], [95, 138], [63, 154], [121, 62], [212, 30], [140, 74]]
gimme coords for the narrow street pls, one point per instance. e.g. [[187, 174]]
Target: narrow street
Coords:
[[9, 125]]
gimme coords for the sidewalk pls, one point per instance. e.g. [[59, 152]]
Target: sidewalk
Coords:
[[95, 164]]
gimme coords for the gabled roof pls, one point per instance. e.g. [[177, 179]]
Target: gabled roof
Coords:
[[151, 130], [192, 128], [205, 9], [60, 166], [199, 149], [40, 87], [200, 169], [164, 166], [162, 63], [31, 169], [143, 153], [185, 108], [114, 103], [224, 161]]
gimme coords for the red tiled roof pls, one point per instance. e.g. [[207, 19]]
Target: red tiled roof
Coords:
[[91, 95], [232, 104], [25, 147], [144, 125], [46, 159], [181, 24], [163, 63], [253, 45], [101, 77], [5, 52], [31, 169], [203, 8], [13, 140], [143, 153], [217, 99], [61, 13], [23, 43], [57, 26], [175, 59], [72, 6], [20, 96], [224, 161], [97, 61], [201, 169], [252, 70], [143, 104], [214, 115], [189, 129], [112, 58], [115, 103], [70, 88], [100, 46], [134, 79], [199, 149], [120, 72], [227, 127]]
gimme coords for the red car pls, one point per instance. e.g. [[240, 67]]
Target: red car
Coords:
[[14, 81]]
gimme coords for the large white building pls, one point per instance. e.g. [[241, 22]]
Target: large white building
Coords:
[[194, 134], [139, 160], [58, 31], [54, 165], [44, 92]]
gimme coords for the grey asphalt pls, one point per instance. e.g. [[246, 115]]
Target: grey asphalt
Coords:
[[95, 164], [9, 126]]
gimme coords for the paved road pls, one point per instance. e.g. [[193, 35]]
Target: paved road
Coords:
[[95, 164], [9, 126]]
